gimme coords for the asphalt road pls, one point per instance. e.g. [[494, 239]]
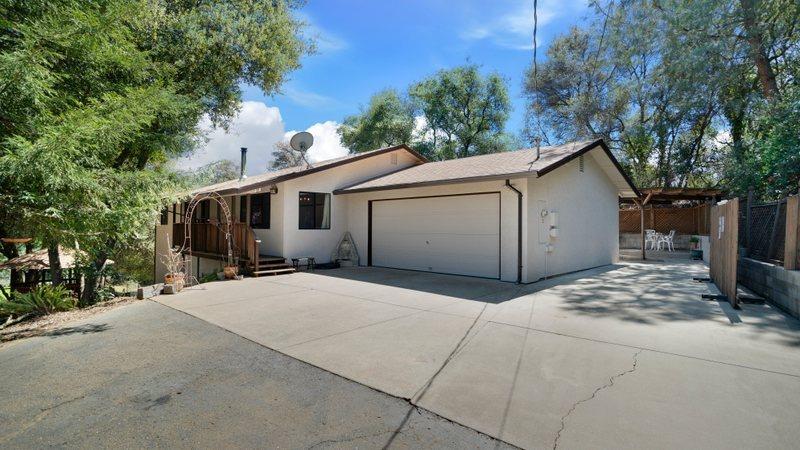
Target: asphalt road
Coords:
[[145, 375]]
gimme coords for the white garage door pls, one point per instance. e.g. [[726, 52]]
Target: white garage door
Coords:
[[451, 234]]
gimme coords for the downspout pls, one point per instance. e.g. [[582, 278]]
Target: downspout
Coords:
[[519, 230]]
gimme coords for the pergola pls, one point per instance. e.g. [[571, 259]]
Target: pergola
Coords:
[[670, 195]]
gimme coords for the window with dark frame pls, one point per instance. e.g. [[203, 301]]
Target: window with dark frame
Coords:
[[259, 210], [243, 209], [314, 211], [204, 214], [164, 216]]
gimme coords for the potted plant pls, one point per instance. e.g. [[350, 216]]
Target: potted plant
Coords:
[[230, 271], [695, 251], [174, 263]]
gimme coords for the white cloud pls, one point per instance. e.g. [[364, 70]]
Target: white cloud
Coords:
[[326, 141], [514, 29], [307, 98], [258, 127]]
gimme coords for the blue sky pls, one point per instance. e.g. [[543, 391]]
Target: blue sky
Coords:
[[366, 46]]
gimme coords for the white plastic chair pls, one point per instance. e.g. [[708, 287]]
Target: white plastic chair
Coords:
[[667, 239], [650, 239]]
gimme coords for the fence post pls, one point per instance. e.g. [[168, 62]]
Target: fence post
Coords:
[[748, 218], [790, 252]]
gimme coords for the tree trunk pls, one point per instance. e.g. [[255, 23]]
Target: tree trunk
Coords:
[[93, 278], [766, 76], [11, 251], [55, 262]]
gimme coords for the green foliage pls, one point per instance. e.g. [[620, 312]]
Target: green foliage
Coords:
[[211, 173], [43, 299], [96, 97], [386, 121], [209, 277], [772, 164], [465, 113], [661, 81], [452, 114]]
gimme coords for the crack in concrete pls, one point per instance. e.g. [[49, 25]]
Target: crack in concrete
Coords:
[[350, 439], [594, 394], [43, 412]]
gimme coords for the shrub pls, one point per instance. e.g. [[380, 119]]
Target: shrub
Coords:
[[43, 299]]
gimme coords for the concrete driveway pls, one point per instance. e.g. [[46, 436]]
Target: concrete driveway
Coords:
[[624, 356]]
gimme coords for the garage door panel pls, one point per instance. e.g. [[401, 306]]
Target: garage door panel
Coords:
[[459, 234]]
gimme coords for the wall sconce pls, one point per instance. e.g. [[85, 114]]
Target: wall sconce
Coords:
[[273, 189]]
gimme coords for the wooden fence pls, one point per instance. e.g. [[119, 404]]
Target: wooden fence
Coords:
[[791, 252], [724, 248], [693, 220]]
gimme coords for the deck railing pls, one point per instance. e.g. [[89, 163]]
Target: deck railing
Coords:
[[208, 239]]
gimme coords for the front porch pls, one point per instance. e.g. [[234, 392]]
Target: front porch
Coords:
[[208, 241]]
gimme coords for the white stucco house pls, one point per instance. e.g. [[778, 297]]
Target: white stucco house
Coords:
[[512, 216]]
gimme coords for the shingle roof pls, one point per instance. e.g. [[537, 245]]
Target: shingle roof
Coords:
[[476, 168], [233, 186]]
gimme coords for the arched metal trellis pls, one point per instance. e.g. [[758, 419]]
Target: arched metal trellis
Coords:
[[225, 226]]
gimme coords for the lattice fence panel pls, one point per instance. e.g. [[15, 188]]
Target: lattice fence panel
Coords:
[[766, 235], [682, 220], [692, 220], [629, 221]]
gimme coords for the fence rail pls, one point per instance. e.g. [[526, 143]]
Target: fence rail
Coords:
[[693, 220]]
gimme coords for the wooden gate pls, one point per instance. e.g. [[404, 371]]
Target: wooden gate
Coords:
[[724, 247]]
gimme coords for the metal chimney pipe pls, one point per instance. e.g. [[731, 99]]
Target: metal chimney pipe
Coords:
[[243, 165]]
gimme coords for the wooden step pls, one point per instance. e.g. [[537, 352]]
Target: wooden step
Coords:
[[271, 259], [272, 266], [262, 273]]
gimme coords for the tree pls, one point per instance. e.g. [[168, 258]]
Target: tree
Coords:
[[452, 114], [464, 112], [96, 96], [385, 122], [285, 156], [660, 81], [212, 173]]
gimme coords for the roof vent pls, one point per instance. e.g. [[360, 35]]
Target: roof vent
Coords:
[[538, 141]]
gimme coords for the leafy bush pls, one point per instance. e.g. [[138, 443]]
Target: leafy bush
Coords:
[[44, 299]]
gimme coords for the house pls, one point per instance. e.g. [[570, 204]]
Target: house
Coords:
[[515, 216]]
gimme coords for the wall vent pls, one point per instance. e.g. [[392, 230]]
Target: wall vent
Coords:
[[580, 163], [394, 159]]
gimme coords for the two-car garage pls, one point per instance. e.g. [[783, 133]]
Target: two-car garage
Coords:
[[457, 234]]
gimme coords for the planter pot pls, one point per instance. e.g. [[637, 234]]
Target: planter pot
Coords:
[[696, 254], [176, 280], [230, 272]]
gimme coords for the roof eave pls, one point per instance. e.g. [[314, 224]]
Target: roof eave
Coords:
[[591, 146], [475, 179], [256, 187]]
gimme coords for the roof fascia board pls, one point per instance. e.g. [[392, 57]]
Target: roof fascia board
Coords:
[[290, 176]]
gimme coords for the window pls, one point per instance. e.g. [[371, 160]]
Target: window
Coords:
[[315, 211], [203, 213], [259, 211], [243, 209], [164, 216]]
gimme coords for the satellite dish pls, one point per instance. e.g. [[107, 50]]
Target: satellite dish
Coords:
[[302, 141]]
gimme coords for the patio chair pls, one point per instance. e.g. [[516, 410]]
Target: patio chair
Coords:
[[650, 239], [667, 239]]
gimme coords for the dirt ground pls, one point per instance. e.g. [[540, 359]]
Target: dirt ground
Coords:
[[41, 325]]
